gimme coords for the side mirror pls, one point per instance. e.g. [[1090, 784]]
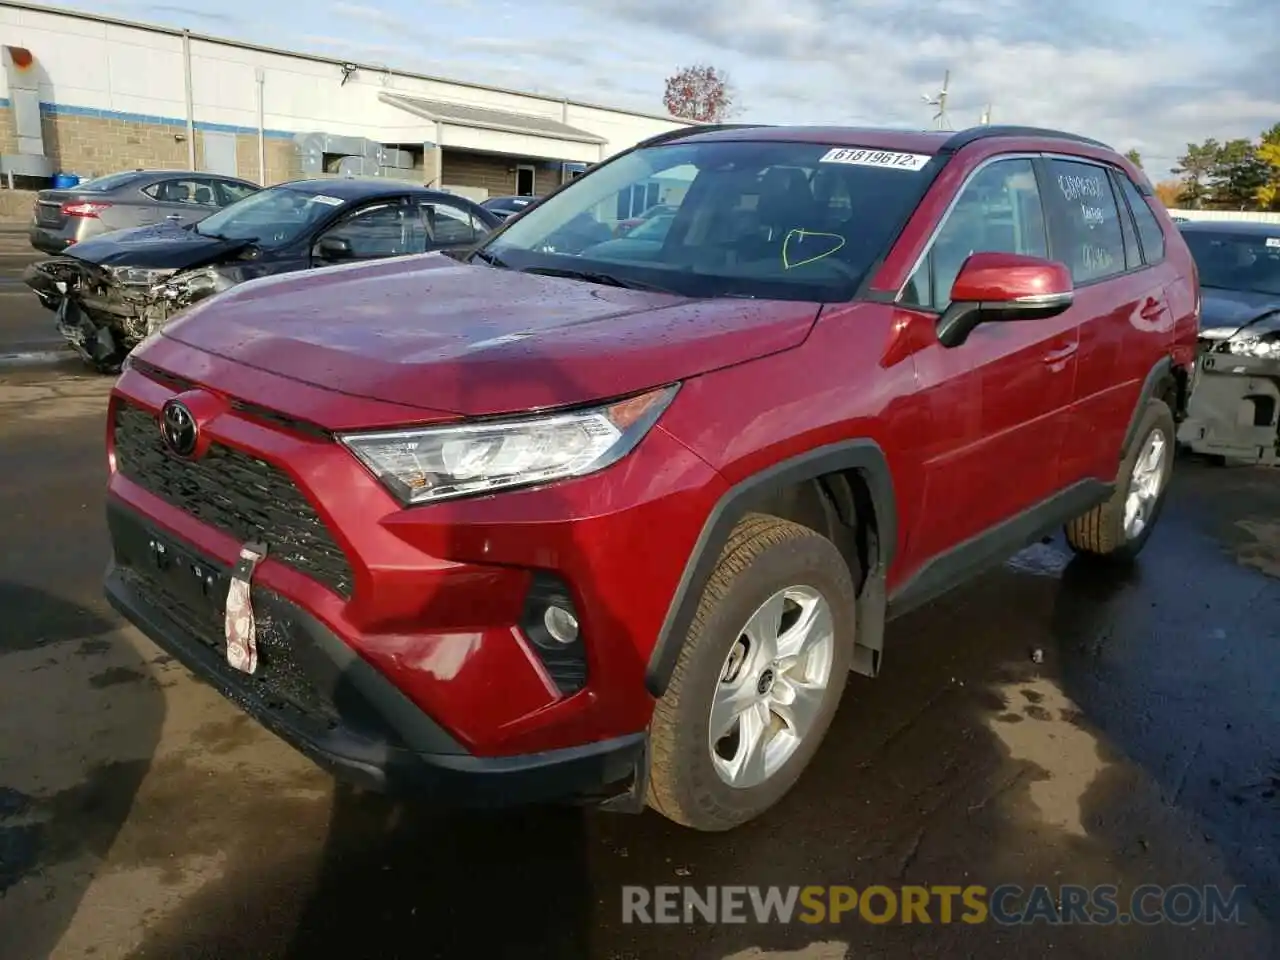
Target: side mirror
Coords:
[[332, 248], [1000, 287]]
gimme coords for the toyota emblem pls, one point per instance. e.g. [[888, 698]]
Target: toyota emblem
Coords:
[[178, 428]]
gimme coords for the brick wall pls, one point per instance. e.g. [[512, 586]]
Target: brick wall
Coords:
[[92, 146], [8, 139], [496, 174], [15, 205], [283, 161]]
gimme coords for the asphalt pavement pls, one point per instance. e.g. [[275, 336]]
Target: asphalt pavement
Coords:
[[27, 334], [1047, 725]]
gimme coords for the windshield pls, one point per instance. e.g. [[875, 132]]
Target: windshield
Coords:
[[110, 182], [271, 218], [1231, 261], [781, 220]]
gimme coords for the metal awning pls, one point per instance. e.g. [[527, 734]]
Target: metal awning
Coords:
[[548, 138]]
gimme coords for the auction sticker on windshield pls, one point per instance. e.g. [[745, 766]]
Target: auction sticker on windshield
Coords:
[[861, 157], [1273, 241], [331, 201]]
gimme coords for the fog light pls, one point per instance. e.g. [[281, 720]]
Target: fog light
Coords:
[[561, 624], [550, 622]]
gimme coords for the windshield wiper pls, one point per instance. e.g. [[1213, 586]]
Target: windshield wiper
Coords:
[[594, 276], [223, 237], [492, 259]]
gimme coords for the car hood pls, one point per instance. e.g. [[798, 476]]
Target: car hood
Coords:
[[1222, 312], [429, 332], [159, 247]]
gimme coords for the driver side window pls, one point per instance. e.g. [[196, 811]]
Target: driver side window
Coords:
[[998, 211], [383, 230]]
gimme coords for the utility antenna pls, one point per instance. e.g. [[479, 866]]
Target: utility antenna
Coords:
[[986, 116], [940, 101]]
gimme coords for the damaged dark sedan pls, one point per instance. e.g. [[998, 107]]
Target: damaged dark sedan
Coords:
[[111, 292], [1234, 412]]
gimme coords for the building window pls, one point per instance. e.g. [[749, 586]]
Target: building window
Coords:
[[526, 181]]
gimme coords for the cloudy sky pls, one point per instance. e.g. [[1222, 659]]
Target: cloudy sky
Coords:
[[1131, 72]]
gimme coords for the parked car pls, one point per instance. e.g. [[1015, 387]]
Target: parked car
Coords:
[[536, 524], [659, 211], [647, 238], [1234, 413], [133, 198], [113, 291], [505, 207]]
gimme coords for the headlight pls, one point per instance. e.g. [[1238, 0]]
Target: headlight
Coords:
[[1265, 347], [195, 285], [139, 276], [439, 463]]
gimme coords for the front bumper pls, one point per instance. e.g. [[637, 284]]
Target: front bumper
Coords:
[[1234, 409], [439, 600], [314, 693]]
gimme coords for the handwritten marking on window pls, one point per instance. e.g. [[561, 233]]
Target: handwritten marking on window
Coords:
[[1096, 260], [792, 258], [1075, 187]]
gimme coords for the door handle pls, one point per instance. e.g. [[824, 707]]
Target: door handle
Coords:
[[1152, 309], [174, 216], [1058, 356]]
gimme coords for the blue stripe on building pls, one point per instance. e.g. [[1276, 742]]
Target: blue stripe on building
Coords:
[[65, 110]]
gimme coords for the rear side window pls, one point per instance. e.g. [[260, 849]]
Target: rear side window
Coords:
[[997, 211], [111, 181], [194, 191], [1085, 220], [229, 191], [1149, 231], [447, 225]]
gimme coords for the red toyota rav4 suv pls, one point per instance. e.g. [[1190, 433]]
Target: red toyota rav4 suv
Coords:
[[611, 519]]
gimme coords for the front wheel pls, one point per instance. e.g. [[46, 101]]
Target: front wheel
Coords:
[[1118, 529], [759, 678]]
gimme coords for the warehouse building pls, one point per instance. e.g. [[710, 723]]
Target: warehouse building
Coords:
[[89, 95]]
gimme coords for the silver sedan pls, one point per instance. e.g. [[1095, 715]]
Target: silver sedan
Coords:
[[134, 198]]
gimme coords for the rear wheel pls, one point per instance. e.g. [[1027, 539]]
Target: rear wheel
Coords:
[[1119, 528], [758, 680]]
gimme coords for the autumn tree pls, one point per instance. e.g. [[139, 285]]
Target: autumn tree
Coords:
[[1238, 175], [1169, 193], [699, 93], [1134, 157], [1194, 168], [1268, 195]]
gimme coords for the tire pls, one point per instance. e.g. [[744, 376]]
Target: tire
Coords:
[[763, 557], [1101, 533]]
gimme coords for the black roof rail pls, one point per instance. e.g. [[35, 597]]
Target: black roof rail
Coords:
[[694, 131], [962, 138]]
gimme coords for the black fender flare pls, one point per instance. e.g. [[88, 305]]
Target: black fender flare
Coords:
[[1161, 372], [862, 455]]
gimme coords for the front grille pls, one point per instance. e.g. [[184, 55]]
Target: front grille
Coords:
[[241, 495], [276, 419], [280, 683]]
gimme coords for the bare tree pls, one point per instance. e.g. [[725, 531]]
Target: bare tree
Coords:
[[700, 93]]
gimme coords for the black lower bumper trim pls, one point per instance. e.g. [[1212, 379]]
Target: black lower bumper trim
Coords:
[[370, 735]]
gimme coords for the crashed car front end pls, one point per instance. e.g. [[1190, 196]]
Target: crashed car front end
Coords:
[[103, 312], [1234, 411]]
